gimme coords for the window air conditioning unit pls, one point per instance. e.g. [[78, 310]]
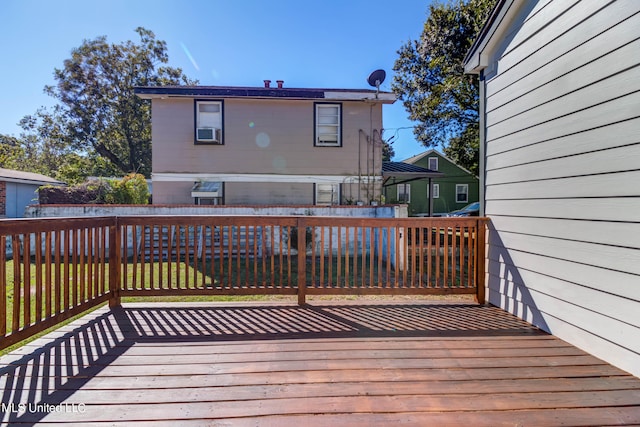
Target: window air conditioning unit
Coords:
[[208, 135]]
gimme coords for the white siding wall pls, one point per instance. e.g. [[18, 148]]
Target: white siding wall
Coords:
[[563, 174]]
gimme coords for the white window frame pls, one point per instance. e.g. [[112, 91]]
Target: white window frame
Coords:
[[430, 159], [405, 193], [320, 128], [465, 192], [209, 201], [335, 194], [436, 191], [217, 124]]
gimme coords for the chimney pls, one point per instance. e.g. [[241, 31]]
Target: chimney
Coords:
[[267, 83], [280, 83]]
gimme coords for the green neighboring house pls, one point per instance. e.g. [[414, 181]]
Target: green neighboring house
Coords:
[[456, 189]]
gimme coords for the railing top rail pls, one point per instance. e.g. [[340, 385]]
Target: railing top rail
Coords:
[[206, 219], [39, 225], [36, 225], [293, 220]]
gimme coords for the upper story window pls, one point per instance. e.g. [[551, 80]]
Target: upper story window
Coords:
[[209, 122], [433, 163], [328, 125]]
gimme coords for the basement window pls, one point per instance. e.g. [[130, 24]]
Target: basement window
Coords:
[[208, 193], [327, 194]]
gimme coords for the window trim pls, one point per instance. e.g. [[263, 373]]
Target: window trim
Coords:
[[197, 102], [315, 123], [466, 193], [196, 199], [436, 190], [406, 187], [315, 194], [429, 163]]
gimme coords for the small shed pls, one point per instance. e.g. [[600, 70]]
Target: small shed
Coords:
[[18, 190]]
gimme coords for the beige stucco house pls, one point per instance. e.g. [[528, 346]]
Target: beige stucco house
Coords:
[[265, 145]]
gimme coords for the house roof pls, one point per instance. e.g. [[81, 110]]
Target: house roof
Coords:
[[150, 92], [422, 155], [477, 58], [407, 171], [10, 175]]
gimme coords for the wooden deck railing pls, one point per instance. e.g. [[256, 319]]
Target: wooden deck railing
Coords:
[[53, 269], [50, 270]]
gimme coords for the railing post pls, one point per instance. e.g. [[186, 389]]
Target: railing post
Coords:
[[115, 263], [302, 261], [480, 260]]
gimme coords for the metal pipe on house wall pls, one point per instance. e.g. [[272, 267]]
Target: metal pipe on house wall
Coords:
[[373, 144], [373, 151], [370, 139], [360, 133]]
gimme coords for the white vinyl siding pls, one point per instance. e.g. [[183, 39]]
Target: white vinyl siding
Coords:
[[561, 182], [328, 125]]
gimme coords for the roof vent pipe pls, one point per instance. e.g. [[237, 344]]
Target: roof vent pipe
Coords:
[[280, 83], [267, 83]]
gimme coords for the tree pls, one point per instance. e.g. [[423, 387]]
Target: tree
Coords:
[[465, 148], [430, 80], [43, 141], [42, 147], [102, 116], [387, 151], [11, 152]]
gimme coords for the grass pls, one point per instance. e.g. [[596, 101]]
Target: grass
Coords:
[[218, 275], [282, 271]]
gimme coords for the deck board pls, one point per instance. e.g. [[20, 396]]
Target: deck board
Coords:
[[332, 363]]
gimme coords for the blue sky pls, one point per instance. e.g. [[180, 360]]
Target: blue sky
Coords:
[[329, 43]]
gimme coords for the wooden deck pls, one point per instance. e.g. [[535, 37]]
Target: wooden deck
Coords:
[[358, 363]]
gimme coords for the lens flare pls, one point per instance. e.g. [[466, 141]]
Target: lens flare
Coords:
[[263, 140], [251, 124], [193, 61], [279, 163]]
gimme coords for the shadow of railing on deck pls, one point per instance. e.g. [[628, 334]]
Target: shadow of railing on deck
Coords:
[[44, 377], [506, 288], [320, 321], [37, 382]]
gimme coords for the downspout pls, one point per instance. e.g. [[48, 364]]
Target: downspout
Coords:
[[373, 153], [483, 142], [360, 133]]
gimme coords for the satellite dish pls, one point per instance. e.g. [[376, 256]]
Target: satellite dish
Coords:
[[376, 78]]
